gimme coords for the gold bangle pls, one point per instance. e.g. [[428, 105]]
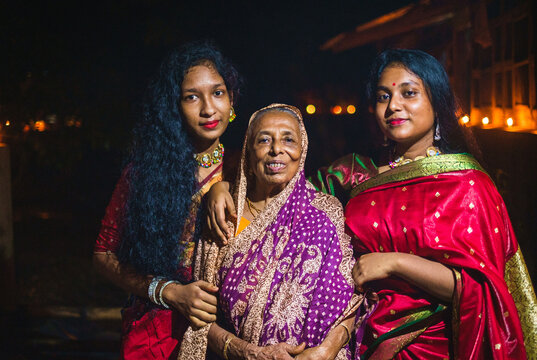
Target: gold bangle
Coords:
[[226, 345], [348, 334]]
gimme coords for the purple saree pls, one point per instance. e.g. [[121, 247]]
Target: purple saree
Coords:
[[287, 276]]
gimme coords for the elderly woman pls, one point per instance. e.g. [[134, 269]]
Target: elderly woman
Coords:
[[435, 240], [285, 277]]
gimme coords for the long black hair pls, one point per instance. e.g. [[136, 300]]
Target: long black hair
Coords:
[[162, 171], [436, 82]]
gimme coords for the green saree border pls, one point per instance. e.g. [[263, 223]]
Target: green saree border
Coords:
[[423, 318], [419, 168]]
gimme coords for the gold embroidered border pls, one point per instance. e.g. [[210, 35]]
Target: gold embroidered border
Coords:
[[217, 177], [456, 316], [423, 167], [334, 210], [519, 285]]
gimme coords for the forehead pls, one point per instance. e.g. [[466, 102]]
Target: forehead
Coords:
[[206, 73], [275, 120], [398, 74]]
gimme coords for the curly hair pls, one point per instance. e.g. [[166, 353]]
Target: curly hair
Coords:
[[436, 81], [162, 171]]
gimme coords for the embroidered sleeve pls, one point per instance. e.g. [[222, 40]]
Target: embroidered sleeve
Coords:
[[109, 236]]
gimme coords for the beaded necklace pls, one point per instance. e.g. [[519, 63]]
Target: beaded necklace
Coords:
[[206, 160], [401, 160]]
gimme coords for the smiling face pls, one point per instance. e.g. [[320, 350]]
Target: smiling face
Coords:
[[205, 104], [274, 150], [403, 109]]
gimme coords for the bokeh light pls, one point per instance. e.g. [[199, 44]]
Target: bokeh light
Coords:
[[336, 110]]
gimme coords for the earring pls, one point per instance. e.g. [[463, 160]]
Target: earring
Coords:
[[437, 133], [385, 143], [232, 114]]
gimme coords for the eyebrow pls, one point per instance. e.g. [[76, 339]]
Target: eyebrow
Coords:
[[196, 89], [265, 132]]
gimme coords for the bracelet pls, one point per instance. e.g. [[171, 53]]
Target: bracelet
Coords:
[[161, 300], [348, 334], [226, 345], [152, 287]]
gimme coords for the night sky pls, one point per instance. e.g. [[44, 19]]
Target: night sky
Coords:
[[94, 58]]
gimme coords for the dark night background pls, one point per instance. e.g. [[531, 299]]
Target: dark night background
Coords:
[[89, 61]]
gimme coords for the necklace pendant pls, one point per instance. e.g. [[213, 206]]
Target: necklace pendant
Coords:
[[207, 160], [401, 160]]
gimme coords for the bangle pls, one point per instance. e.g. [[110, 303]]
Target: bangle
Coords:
[[226, 345], [348, 334], [161, 300], [152, 287]]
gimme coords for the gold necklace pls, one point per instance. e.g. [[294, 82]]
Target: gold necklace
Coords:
[[206, 160], [252, 207], [401, 160]]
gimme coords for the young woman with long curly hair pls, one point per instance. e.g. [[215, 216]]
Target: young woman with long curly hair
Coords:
[[151, 225]]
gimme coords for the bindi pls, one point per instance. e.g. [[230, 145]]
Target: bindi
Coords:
[[393, 84]]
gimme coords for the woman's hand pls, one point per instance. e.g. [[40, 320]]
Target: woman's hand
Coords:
[[373, 266], [281, 351], [220, 202], [315, 353], [196, 301]]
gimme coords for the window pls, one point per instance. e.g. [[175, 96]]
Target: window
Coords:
[[486, 57], [508, 89], [508, 49], [498, 89], [521, 32], [475, 92], [497, 43], [522, 85], [485, 95]]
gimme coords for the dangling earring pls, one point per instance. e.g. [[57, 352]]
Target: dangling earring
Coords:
[[232, 114], [437, 133], [385, 143]]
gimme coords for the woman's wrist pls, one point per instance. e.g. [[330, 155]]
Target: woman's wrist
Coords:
[[240, 349], [169, 292], [336, 339], [399, 264]]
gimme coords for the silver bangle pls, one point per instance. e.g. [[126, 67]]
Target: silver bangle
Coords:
[[161, 300], [152, 287]]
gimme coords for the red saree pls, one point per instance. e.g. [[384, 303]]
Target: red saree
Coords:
[[150, 331], [445, 209]]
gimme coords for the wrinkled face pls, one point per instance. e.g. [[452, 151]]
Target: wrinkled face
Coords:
[[205, 103], [403, 109], [275, 149]]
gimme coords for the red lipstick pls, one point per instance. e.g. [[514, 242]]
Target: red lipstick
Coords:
[[211, 124], [395, 122]]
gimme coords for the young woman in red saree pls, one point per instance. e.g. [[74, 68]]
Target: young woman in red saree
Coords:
[[149, 231], [431, 233]]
